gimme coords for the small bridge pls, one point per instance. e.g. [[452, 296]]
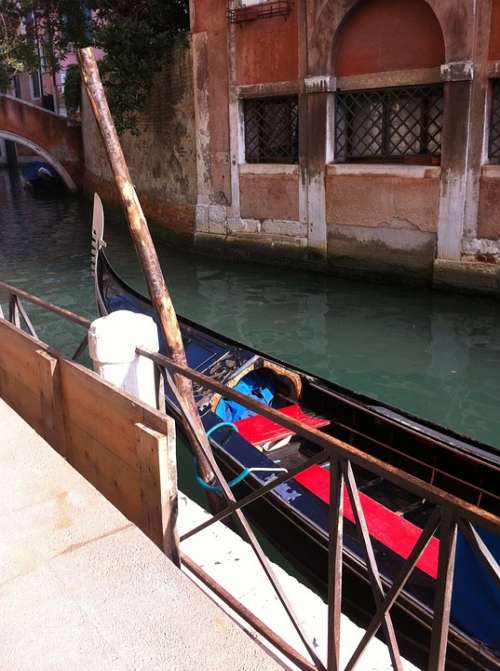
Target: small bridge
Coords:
[[47, 134]]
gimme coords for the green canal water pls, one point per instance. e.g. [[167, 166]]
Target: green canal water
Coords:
[[434, 354]]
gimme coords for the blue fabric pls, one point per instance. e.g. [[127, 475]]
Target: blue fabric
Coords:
[[475, 606], [259, 385]]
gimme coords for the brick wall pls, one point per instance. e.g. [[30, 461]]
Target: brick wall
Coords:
[[162, 158]]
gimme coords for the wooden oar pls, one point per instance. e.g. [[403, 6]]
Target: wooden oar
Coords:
[[145, 249]]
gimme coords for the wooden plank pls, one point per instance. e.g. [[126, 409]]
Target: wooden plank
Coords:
[[52, 405], [10, 334], [158, 478], [20, 363], [87, 394], [46, 369], [110, 475], [23, 399], [100, 411]]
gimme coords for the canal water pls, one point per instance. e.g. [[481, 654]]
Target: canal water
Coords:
[[434, 354]]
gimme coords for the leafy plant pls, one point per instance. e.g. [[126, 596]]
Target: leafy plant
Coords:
[[72, 90], [17, 52], [136, 40]]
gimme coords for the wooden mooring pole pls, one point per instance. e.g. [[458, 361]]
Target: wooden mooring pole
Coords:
[[146, 252]]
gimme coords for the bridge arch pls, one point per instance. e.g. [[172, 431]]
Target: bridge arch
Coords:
[[51, 160], [48, 134]]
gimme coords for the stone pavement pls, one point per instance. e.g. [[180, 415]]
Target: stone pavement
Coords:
[[83, 588]]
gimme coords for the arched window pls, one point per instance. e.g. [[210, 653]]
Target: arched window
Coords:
[[399, 122]]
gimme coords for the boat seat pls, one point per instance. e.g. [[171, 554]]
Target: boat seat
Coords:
[[384, 525], [261, 431]]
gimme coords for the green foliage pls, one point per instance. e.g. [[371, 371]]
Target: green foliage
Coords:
[[72, 89], [136, 38], [17, 52]]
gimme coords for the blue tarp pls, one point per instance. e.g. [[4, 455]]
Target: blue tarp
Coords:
[[258, 385], [475, 606]]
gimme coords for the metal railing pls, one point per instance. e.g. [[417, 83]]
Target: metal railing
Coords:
[[450, 515]]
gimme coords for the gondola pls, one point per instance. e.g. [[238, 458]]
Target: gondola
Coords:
[[294, 516]]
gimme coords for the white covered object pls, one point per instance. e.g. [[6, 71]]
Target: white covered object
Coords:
[[112, 343]]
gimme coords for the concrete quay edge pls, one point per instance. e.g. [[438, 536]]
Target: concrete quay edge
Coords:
[[83, 588]]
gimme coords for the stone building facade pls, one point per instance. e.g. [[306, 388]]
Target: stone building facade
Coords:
[[353, 134]]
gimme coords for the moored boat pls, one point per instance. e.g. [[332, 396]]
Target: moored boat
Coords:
[[295, 515], [40, 176]]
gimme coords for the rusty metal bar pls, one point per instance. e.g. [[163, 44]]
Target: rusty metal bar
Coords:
[[27, 320], [253, 496], [444, 589], [62, 312], [481, 550], [247, 615], [81, 347], [338, 447], [396, 588], [336, 528], [371, 564], [254, 543], [14, 316], [420, 462]]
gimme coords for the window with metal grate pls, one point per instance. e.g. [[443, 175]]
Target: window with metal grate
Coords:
[[250, 10], [271, 130], [494, 131], [401, 124]]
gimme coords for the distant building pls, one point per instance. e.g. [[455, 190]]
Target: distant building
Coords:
[[365, 134]]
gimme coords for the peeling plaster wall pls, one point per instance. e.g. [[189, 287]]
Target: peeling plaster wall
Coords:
[[383, 202], [268, 50], [269, 197], [162, 158]]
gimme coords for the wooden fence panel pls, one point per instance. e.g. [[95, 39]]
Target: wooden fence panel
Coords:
[[20, 384], [124, 448]]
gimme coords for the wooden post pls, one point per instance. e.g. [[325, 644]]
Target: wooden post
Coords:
[[145, 250], [158, 468]]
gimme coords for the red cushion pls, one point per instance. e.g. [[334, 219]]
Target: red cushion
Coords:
[[385, 526], [258, 430]]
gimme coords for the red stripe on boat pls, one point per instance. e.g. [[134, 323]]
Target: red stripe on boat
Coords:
[[258, 429], [385, 526]]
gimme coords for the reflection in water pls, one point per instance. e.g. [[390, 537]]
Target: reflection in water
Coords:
[[436, 355]]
